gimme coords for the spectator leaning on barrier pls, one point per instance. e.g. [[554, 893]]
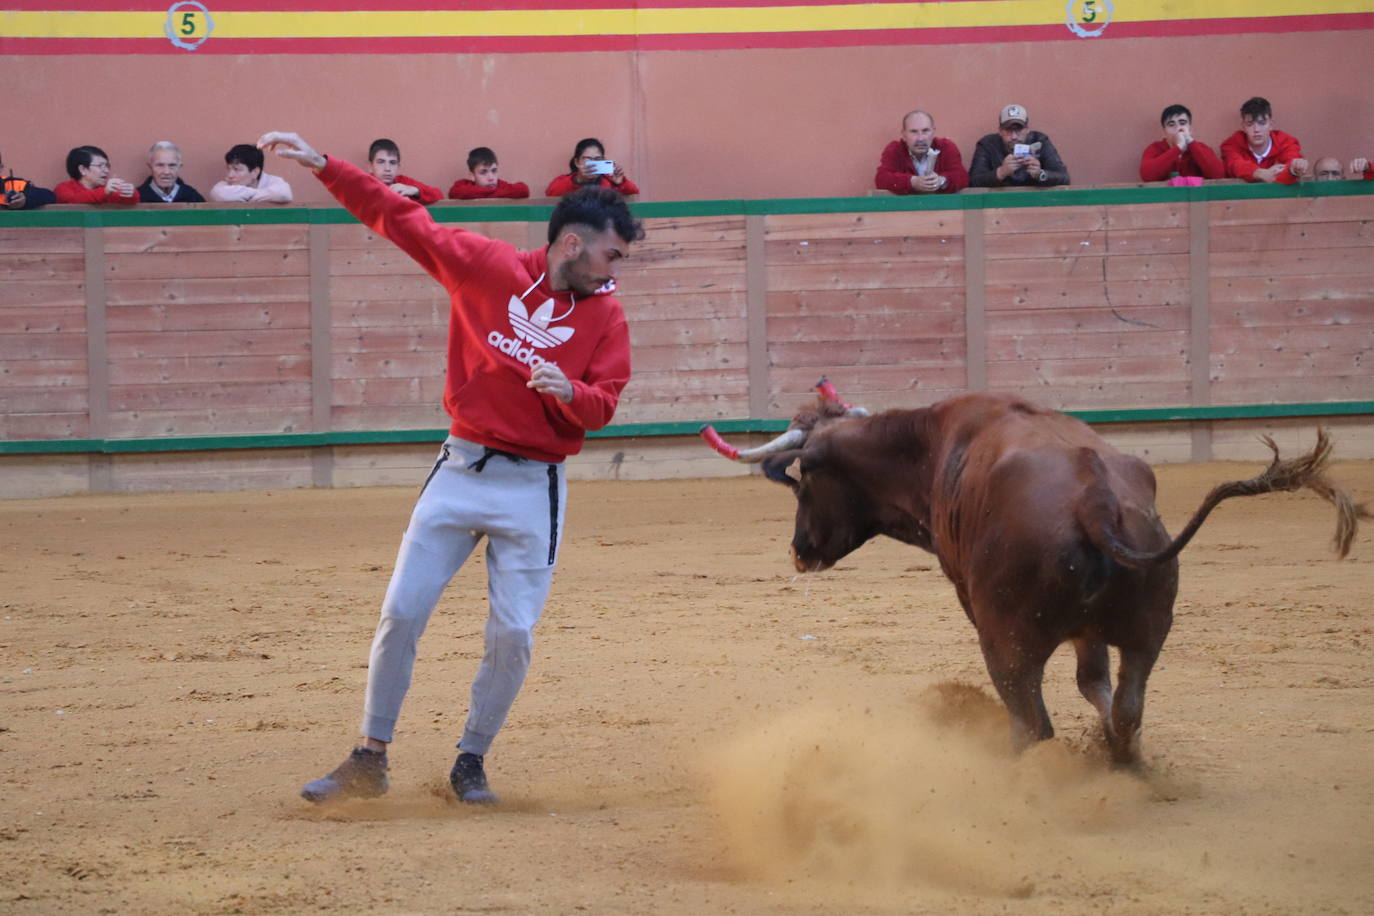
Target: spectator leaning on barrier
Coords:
[[164, 184], [1178, 154], [1016, 156], [22, 194], [384, 161], [1327, 168], [246, 182], [588, 168], [484, 182], [91, 181], [918, 162], [1258, 152]]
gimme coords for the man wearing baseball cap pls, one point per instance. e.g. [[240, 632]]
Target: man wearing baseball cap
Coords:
[[1016, 156]]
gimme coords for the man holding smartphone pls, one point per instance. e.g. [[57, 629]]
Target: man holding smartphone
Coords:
[[1016, 156]]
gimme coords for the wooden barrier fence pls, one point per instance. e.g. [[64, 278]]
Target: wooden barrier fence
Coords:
[[208, 347]]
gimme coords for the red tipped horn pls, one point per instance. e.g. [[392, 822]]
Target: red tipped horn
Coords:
[[713, 439]]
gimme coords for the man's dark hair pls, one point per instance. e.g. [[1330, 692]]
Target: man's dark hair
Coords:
[[1174, 111], [383, 145], [480, 155], [82, 156], [1256, 108], [582, 147], [597, 208], [245, 154]]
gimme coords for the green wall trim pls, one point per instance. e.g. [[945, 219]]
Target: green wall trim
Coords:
[[627, 430], [973, 199]]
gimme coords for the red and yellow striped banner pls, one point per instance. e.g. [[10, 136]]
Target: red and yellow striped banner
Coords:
[[341, 26]]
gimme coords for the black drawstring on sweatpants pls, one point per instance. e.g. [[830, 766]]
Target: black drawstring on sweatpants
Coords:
[[553, 512], [487, 452]]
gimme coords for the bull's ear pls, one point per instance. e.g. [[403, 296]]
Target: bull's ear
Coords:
[[775, 466]]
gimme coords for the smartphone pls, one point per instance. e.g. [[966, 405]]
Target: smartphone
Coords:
[[601, 166], [1021, 149]]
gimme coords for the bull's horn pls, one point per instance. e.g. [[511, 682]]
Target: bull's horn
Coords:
[[856, 411], [789, 439]]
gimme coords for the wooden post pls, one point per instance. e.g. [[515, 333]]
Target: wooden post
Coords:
[[97, 359], [321, 355], [975, 303], [1200, 325], [756, 312]]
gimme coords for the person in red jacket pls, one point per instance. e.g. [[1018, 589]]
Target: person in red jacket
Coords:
[[91, 181], [538, 352], [1178, 153], [384, 161], [484, 183], [1258, 152], [589, 167], [918, 162], [1361, 167]]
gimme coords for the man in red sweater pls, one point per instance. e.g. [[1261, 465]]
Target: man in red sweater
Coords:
[[1178, 153], [1258, 152], [91, 181], [918, 162], [384, 161], [538, 352], [485, 183]]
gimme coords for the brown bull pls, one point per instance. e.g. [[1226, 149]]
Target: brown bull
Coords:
[[1047, 532]]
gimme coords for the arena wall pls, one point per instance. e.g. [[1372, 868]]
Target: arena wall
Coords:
[[229, 347]]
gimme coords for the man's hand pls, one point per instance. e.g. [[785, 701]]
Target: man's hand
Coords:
[[1182, 139], [1299, 167], [1011, 163], [1359, 166], [1269, 174], [119, 186], [927, 184], [291, 146], [617, 179], [16, 200], [1033, 168], [405, 190], [549, 379]]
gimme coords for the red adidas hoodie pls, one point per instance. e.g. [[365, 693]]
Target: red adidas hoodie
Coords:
[[505, 319]]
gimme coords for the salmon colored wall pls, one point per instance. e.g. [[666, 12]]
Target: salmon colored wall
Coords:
[[688, 124]]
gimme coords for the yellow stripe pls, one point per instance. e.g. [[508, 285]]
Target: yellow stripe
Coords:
[[716, 20]]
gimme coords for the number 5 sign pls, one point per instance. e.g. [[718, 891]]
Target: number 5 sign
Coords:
[[188, 25], [1088, 18]]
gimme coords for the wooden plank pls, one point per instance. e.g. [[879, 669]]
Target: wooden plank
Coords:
[[1262, 362], [1108, 370], [1099, 242], [430, 338], [825, 302], [388, 416], [887, 275], [224, 370], [1293, 263], [66, 266], [387, 365], [1095, 395], [156, 396], [1299, 389], [36, 294], [712, 305], [854, 380], [1028, 220], [213, 421], [45, 425], [1342, 338], [691, 229], [65, 318], [812, 226], [207, 291], [1088, 321], [357, 236], [975, 301], [935, 249], [382, 313], [43, 399], [919, 351], [1309, 313], [172, 344], [1084, 294], [1256, 288], [711, 406], [673, 385], [1124, 268], [176, 265], [97, 365], [1136, 342], [681, 280], [1272, 236], [43, 476], [688, 332], [38, 345], [1290, 210], [373, 392], [726, 255], [719, 356], [221, 317], [41, 240], [247, 469], [143, 239], [865, 326]]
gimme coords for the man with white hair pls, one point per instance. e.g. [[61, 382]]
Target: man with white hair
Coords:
[[164, 184]]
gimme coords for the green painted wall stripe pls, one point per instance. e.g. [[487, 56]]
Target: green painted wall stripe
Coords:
[[628, 430], [967, 200]]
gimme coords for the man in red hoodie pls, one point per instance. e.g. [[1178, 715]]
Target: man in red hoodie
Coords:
[[1178, 153], [538, 352], [384, 161], [918, 162], [1258, 152]]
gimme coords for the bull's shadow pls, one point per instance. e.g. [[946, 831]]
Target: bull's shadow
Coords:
[[1047, 532]]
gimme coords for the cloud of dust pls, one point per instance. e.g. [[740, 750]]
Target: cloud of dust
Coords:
[[853, 794]]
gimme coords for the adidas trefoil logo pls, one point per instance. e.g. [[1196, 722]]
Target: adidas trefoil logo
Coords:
[[534, 329]]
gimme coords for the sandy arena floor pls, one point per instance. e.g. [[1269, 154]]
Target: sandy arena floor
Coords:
[[702, 730]]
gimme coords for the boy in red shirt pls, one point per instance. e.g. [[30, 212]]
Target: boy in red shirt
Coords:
[[91, 181], [384, 161], [1258, 152], [538, 352], [1178, 153], [484, 183]]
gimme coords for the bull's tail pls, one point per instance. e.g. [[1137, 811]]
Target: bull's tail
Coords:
[[1100, 514]]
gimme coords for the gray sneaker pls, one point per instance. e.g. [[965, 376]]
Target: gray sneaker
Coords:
[[469, 781], [362, 775]]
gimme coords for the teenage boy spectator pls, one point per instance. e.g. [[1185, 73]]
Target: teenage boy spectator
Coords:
[[1178, 153], [918, 162], [586, 170], [384, 161], [91, 181], [1327, 168], [539, 352], [1258, 152], [22, 194], [1361, 168], [164, 184], [246, 182], [484, 183], [1016, 156]]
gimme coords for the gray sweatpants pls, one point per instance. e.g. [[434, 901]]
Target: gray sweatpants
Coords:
[[518, 506]]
